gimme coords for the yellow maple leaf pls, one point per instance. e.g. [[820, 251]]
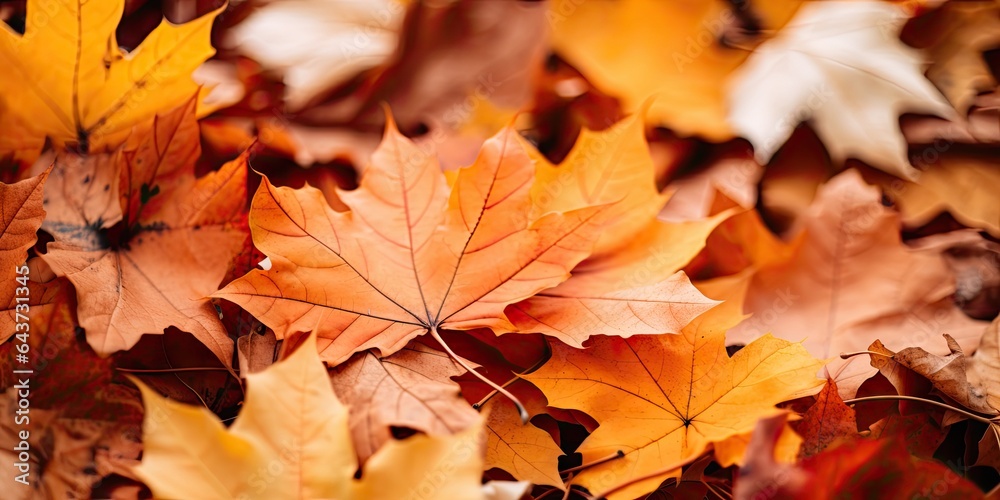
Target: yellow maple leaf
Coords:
[[665, 398], [66, 78], [525, 451], [633, 275], [638, 48], [292, 441]]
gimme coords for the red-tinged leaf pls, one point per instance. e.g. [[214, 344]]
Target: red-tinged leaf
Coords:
[[921, 432], [179, 366], [67, 375], [858, 469], [21, 215], [827, 422]]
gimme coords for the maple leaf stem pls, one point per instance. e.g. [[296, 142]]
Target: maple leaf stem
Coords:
[[517, 376], [718, 492], [891, 397], [460, 360], [173, 370], [613, 456], [479, 404], [846, 355], [664, 471]]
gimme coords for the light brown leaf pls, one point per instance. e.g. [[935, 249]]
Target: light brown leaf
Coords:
[[963, 185], [65, 457], [852, 281], [984, 371], [142, 240], [411, 388], [969, 380], [957, 66], [256, 351]]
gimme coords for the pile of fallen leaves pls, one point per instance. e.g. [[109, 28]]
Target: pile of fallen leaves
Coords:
[[330, 249]]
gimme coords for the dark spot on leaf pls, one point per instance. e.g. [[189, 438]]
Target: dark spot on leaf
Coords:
[[401, 432], [42, 240], [552, 63], [145, 193], [17, 22], [117, 236], [83, 141]]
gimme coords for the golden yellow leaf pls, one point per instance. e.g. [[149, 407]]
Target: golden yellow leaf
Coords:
[[635, 49], [661, 399], [851, 280], [411, 389], [291, 441], [631, 284], [609, 166], [525, 451], [67, 79]]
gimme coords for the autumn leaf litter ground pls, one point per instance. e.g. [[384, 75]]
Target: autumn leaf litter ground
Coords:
[[752, 253]]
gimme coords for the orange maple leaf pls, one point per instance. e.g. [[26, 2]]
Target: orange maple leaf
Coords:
[[410, 257], [661, 399], [413, 256]]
